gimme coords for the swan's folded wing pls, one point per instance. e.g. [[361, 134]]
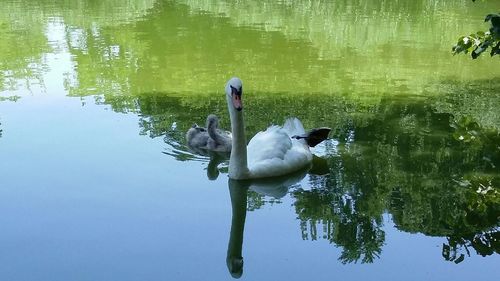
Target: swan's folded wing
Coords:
[[271, 143], [274, 153], [274, 142]]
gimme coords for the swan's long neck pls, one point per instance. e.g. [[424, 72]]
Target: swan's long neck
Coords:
[[238, 168]]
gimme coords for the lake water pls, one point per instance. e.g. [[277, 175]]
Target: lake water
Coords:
[[96, 182]]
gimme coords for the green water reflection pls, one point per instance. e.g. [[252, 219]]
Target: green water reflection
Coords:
[[415, 130], [350, 47]]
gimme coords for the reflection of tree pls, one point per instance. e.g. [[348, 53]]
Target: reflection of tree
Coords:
[[21, 48], [434, 175], [424, 194], [484, 243], [162, 45], [359, 235], [25, 27], [476, 99], [421, 166], [482, 197], [173, 50], [371, 53], [170, 49]]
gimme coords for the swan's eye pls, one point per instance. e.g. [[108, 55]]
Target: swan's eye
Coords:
[[236, 91]]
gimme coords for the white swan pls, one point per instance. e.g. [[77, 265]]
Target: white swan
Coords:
[[274, 152]]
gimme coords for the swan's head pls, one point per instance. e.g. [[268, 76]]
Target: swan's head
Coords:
[[234, 90], [235, 266]]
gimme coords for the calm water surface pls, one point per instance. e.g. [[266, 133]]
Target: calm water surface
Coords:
[[96, 182]]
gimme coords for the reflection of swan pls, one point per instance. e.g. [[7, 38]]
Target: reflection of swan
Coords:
[[213, 165], [274, 152], [234, 258], [214, 160], [276, 187], [209, 138]]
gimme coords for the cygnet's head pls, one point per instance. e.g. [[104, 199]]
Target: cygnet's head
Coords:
[[212, 121], [234, 91]]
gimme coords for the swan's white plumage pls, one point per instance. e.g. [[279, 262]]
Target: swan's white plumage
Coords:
[[270, 153], [273, 152]]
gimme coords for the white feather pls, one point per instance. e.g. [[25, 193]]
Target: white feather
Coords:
[[273, 152]]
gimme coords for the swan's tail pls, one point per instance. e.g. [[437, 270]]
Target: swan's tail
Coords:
[[293, 127], [314, 136]]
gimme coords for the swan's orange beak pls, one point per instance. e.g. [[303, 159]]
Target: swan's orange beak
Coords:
[[237, 102], [236, 98]]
